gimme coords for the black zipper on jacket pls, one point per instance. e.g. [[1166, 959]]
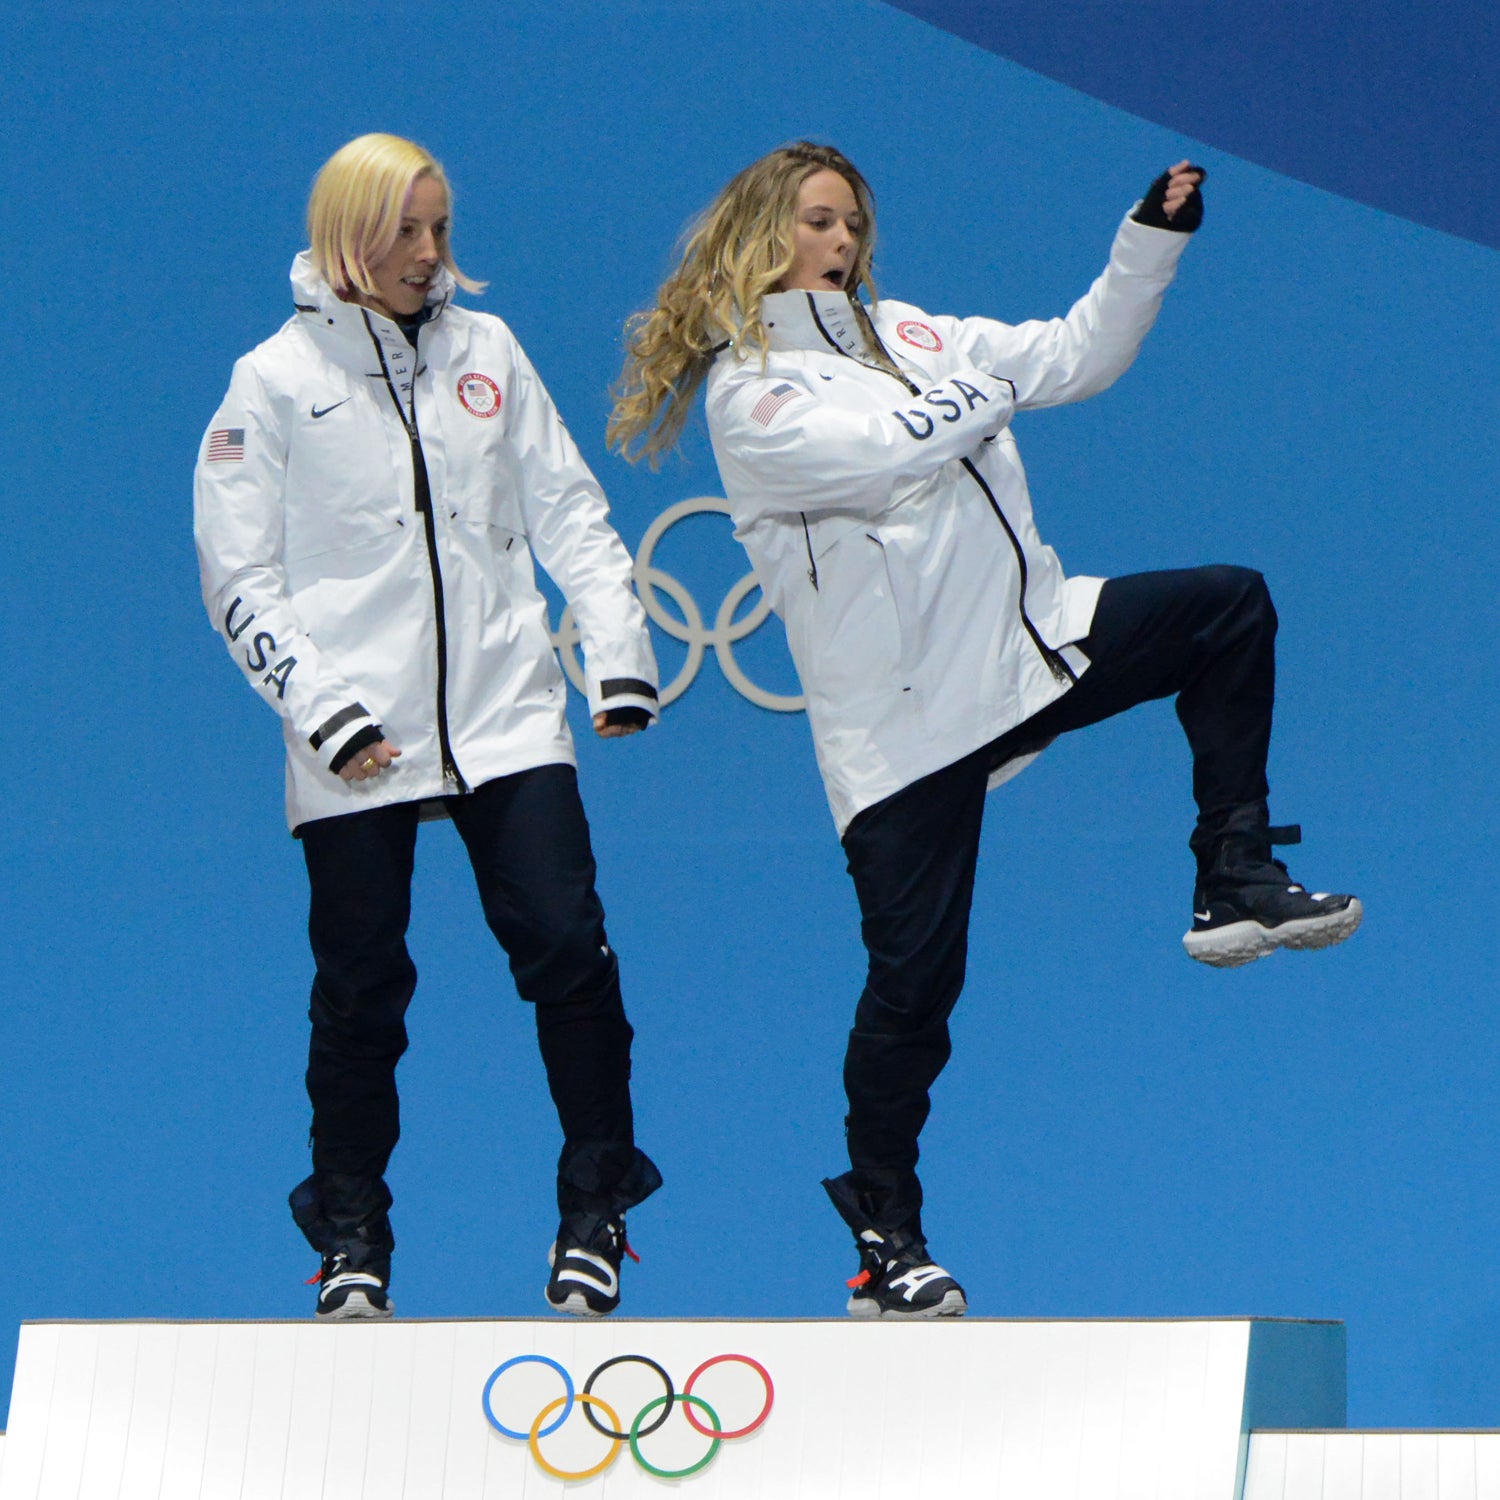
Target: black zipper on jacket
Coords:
[[422, 488], [812, 562], [1056, 663]]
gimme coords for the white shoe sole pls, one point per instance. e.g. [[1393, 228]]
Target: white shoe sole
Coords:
[[357, 1308], [953, 1305], [575, 1304], [1243, 942]]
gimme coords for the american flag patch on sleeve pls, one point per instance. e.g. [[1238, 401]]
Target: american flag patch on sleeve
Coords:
[[771, 403], [225, 444]]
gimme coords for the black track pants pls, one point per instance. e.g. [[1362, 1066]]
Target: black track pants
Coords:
[[528, 843], [1206, 635]]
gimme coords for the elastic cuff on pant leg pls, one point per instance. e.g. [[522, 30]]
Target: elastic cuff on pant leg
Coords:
[[337, 1213], [1247, 817], [603, 1177], [868, 1198]]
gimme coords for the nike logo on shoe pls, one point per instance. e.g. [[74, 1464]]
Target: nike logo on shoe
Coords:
[[316, 413]]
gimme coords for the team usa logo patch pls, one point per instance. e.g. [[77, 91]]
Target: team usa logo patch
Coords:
[[479, 394], [919, 336]]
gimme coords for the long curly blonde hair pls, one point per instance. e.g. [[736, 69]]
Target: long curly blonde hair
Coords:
[[733, 254]]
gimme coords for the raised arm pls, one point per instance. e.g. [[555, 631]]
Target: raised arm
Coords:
[[1070, 358], [782, 448]]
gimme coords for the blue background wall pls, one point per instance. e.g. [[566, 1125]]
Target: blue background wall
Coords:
[[1122, 1132]]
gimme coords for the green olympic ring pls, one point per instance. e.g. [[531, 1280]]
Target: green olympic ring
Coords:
[[665, 1402]]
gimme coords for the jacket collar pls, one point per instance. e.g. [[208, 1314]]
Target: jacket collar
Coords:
[[823, 321], [313, 295]]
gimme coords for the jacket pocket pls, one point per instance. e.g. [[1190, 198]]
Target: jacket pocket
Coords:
[[499, 560], [343, 484], [481, 477], [850, 630]]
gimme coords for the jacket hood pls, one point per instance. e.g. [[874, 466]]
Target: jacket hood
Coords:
[[311, 293], [812, 320]]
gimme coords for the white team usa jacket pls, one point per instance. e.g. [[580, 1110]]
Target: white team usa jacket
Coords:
[[366, 515], [888, 518]]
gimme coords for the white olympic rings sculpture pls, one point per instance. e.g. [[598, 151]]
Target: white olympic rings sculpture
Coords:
[[690, 629]]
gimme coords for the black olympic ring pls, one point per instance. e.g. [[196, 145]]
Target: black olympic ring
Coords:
[[540, 1427], [620, 1359]]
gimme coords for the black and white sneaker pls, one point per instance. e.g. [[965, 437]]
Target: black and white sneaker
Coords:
[[585, 1259], [345, 1295], [1245, 905], [897, 1279]]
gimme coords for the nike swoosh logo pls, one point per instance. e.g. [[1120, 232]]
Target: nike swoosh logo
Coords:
[[316, 413], [1204, 916]]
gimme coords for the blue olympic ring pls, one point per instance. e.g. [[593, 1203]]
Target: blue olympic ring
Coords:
[[527, 1359]]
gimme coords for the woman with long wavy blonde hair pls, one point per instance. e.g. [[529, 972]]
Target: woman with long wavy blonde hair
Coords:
[[870, 469], [737, 251]]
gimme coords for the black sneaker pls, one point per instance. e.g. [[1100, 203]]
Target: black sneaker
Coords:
[[1245, 905], [346, 1295], [585, 1259], [344, 1220], [897, 1279]]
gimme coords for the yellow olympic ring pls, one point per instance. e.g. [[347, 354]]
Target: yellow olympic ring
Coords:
[[541, 1417]]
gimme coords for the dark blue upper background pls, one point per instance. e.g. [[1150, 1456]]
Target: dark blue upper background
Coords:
[[1394, 106]]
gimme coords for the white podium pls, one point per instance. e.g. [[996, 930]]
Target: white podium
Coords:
[[1148, 1410]]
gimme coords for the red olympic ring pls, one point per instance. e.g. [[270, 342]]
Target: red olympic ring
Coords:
[[718, 1359]]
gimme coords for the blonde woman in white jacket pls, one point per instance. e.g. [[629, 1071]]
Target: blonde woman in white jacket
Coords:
[[866, 453], [369, 497]]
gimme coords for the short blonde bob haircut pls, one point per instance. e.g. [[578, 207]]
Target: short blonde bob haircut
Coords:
[[354, 211], [733, 254]]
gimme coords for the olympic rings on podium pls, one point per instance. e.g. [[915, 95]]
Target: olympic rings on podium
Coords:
[[725, 632], [621, 1434]]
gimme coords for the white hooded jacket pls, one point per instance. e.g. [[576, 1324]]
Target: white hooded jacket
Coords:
[[889, 522], [365, 516]]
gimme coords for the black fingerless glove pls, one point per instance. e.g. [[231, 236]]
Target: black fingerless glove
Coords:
[[1149, 210], [626, 718]]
